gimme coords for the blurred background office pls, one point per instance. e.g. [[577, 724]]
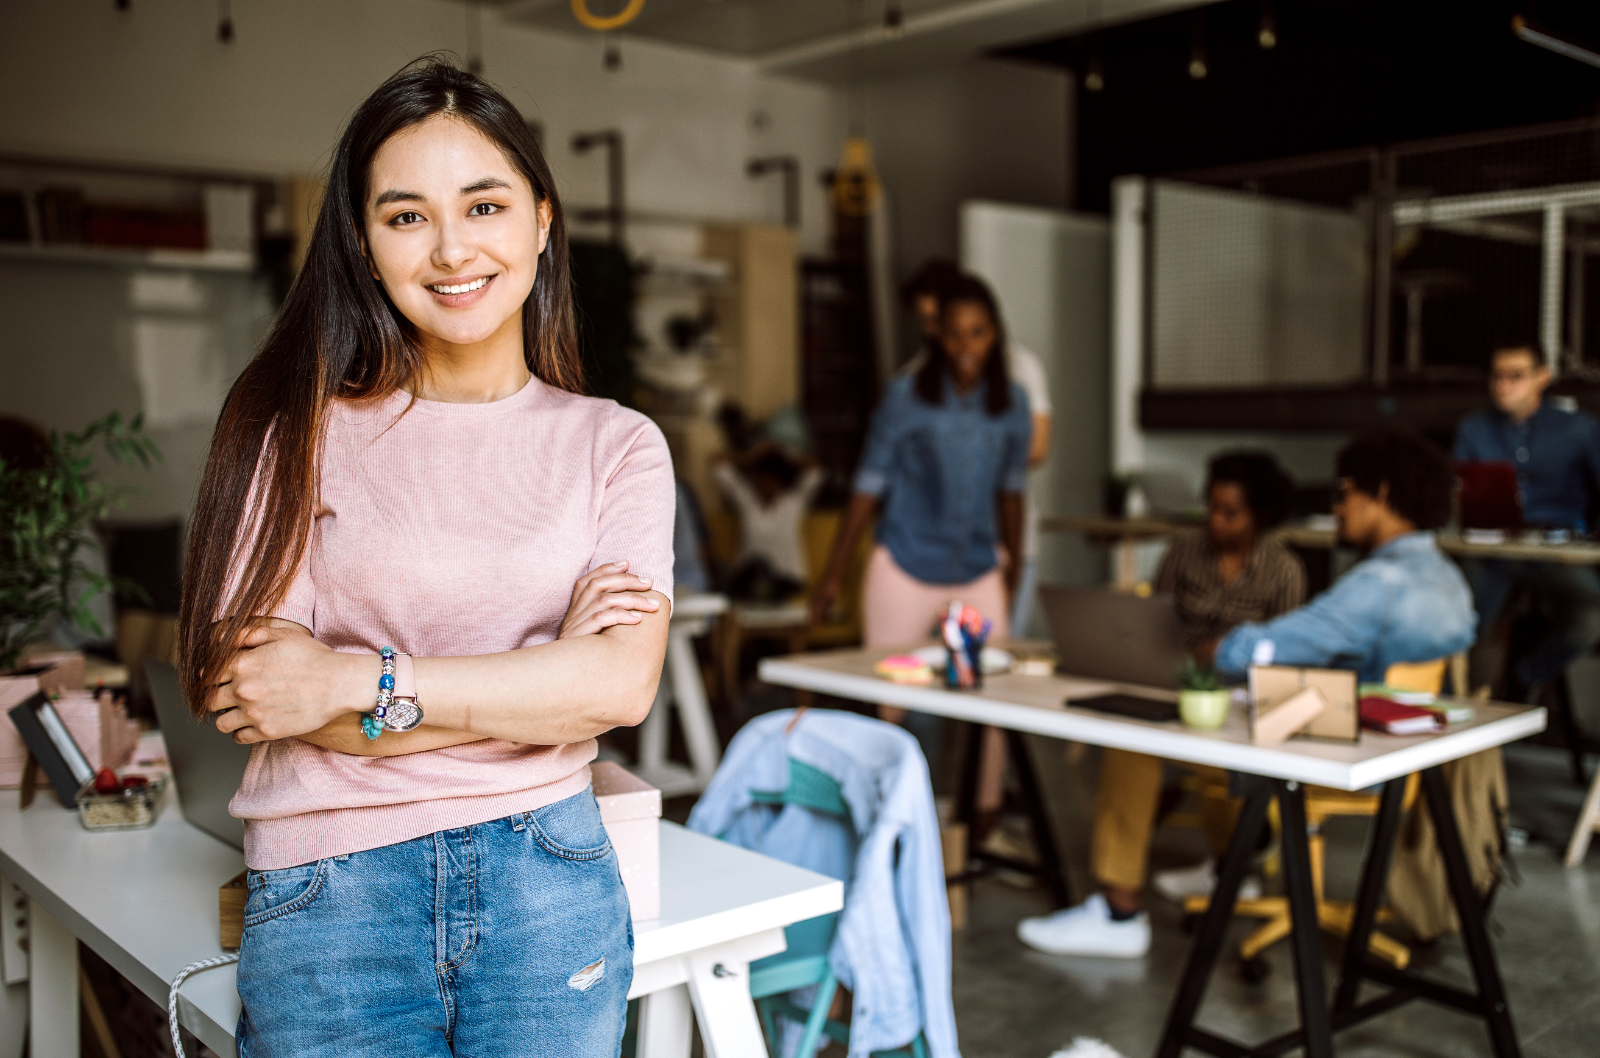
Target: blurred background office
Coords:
[[1224, 239]]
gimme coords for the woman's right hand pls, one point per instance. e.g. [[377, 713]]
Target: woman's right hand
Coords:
[[606, 596]]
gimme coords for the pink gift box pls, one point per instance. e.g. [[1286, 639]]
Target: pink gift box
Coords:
[[630, 808]]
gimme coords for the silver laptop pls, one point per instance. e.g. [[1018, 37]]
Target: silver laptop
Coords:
[[206, 764], [1111, 635], [1167, 493]]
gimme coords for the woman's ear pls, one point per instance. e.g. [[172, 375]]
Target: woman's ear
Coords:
[[366, 253], [546, 214]]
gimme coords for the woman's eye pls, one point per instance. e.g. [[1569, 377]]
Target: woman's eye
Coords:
[[408, 217], [483, 209]]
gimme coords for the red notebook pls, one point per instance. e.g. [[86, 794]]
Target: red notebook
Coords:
[[1381, 714]]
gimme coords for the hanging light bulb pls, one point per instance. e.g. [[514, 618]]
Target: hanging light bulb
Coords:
[[1267, 31], [1197, 49], [894, 20], [856, 188], [1094, 78]]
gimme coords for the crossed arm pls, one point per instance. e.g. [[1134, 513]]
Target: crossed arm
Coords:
[[599, 674]]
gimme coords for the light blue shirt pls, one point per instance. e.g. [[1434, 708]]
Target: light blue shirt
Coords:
[[939, 469], [892, 948], [1406, 602]]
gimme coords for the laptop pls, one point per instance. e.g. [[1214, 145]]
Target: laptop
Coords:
[[207, 765], [1114, 636], [1489, 496], [1168, 494]]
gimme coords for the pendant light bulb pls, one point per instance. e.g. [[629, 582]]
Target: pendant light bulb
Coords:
[[855, 189], [894, 20], [1267, 31], [1197, 48], [1094, 78], [1197, 68]]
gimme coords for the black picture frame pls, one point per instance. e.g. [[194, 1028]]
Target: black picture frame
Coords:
[[53, 746]]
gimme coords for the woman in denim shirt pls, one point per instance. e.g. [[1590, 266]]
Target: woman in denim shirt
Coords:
[[944, 469]]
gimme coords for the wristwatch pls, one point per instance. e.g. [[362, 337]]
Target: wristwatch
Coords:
[[403, 712]]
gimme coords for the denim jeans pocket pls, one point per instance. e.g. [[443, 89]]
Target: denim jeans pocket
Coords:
[[274, 894], [570, 829]]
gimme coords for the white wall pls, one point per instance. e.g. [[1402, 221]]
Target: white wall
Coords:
[[154, 84], [981, 129]]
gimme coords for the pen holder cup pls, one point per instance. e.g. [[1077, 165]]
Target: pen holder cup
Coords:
[[969, 659]]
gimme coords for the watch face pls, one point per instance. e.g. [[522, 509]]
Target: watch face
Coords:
[[403, 714]]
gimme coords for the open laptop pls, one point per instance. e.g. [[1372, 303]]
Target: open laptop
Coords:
[[1489, 496], [1117, 637], [206, 764]]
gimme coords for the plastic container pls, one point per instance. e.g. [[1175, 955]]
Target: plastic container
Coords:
[[132, 809], [630, 808]]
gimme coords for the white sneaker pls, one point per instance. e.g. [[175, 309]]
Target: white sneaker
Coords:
[[1199, 880], [1087, 929]]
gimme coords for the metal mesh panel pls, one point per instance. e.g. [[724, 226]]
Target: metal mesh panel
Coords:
[[1252, 290]]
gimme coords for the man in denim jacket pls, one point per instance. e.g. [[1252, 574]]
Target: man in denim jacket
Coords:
[[1406, 601]]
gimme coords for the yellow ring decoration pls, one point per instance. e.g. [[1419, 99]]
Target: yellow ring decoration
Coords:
[[580, 11]]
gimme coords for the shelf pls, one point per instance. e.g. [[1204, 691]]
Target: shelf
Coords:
[[116, 257]]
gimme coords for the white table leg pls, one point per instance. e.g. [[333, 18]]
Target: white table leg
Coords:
[[52, 987], [653, 732], [666, 1019], [1588, 820], [720, 988], [689, 695]]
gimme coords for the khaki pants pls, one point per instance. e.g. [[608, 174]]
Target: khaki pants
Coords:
[[1125, 815]]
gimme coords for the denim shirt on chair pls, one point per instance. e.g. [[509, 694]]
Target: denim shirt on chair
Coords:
[[892, 948], [938, 469], [1406, 602]]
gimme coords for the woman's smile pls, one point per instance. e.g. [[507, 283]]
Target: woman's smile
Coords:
[[459, 293]]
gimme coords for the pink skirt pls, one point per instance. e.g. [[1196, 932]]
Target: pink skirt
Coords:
[[897, 609]]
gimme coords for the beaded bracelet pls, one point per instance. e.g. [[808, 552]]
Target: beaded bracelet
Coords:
[[393, 712]]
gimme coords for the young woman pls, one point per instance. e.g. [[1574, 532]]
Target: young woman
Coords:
[[944, 468], [407, 466]]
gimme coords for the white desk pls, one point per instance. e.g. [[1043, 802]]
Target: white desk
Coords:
[[146, 902], [1035, 704], [681, 688]]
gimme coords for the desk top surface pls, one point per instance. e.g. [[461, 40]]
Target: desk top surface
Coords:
[[146, 900], [1038, 704]]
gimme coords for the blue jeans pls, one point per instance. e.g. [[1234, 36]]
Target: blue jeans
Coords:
[[507, 938], [1571, 594]]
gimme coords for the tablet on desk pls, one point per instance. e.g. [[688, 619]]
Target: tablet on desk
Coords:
[[1128, 705]]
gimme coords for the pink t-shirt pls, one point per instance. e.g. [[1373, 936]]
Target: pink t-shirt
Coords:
[[451, 530]]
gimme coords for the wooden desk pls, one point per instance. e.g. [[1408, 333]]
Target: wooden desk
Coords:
[[1041, 705], [1124, 534], [146, 902]]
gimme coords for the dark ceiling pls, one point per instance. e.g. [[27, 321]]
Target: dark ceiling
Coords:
[[1344, 73]]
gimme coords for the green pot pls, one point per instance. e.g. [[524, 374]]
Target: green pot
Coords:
[[1204, 710]]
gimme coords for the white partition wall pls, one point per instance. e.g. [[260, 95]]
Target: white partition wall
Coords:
[[1051, 271]]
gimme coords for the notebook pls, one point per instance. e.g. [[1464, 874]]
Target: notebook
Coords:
[[1381, 714]]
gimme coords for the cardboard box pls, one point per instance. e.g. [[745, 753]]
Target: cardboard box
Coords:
[[1273, 685], [630, 808]]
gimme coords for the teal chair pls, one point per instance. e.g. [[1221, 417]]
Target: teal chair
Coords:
[[805, 961]]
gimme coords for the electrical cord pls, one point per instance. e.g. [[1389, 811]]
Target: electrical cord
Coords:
[[177, 983]]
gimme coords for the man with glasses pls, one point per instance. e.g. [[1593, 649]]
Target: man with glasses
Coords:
[[1556, 453]]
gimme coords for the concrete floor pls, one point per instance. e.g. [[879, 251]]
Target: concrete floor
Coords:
[[1012, 1002]]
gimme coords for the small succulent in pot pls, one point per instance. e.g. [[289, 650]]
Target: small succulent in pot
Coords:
[[1203, 699]]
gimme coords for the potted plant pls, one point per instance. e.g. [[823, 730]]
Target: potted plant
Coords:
[[48, 507], [1203, 701]]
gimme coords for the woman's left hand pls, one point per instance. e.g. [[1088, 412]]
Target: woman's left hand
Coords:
[[281, 683]]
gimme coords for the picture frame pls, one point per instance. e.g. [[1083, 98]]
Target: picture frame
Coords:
[[53, 747]]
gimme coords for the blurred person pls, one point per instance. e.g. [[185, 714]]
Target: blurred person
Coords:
[[1405, 601], [1222, 575], [409, 460], [771, 489], [922, 294], [1556, 454], [944, 469]]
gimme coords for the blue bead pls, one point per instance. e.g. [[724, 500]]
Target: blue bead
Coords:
[[387, 652], [386, 682]]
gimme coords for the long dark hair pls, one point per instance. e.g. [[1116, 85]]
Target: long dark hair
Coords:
[[339, 336], [929, 382]]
